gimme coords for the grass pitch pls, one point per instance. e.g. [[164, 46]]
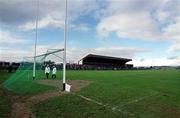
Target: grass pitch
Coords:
[[145, 93]]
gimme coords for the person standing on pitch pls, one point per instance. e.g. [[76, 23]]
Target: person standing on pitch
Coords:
[[54, 72], [47, 71]]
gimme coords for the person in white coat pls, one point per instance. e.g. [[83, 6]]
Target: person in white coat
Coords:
[[47, 71], [54, 72]]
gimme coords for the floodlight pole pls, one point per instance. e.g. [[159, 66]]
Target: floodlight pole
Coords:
[[35, 44], [65, 38]]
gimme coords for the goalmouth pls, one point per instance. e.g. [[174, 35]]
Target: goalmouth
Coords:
[[65, 38], [54, 56]]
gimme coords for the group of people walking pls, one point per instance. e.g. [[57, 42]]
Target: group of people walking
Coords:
[[48, 70]]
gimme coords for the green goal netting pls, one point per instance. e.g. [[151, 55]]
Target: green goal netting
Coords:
[[22, 80]]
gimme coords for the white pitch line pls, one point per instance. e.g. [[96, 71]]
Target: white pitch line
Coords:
[[137, 100], [113, 108], [91, 100]]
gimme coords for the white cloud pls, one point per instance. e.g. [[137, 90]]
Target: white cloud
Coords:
[[129, 26], [7, 41], [51, 12], [143, 20], [7, 37], [128, 52], [167, 10], [156, 62], [82, 27], [129, 19], [14, 14], [17, 54], [172, 31], [11, 54], [175, 47], [43, 23]]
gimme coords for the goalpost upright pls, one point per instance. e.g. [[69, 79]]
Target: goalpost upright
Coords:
[[35, 44], [65, 38]]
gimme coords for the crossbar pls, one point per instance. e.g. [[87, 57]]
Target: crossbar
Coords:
[[48, 53]]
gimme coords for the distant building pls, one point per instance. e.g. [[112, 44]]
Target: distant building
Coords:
[[106, 62]]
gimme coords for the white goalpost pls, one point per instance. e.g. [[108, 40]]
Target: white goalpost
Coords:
[[35, 43], [52, 52], [65, 38]]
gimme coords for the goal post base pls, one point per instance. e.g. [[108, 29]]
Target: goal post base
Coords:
[[64, 86]]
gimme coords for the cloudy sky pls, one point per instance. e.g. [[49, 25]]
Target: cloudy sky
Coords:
[[148, 31]]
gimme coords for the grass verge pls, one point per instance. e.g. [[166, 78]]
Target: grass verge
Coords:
[[5, 107]]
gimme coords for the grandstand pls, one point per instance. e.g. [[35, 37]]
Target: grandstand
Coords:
[[106, 62]]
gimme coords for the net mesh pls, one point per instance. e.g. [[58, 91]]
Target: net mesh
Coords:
[[21, 81]]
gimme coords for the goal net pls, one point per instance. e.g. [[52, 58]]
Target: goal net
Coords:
[[22, 80]]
